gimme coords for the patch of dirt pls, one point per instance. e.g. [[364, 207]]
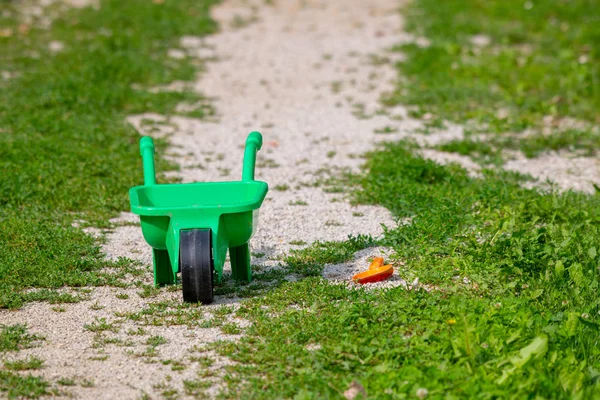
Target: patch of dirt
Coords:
[[443, 158], [116, 362], [342, 273], [561, 169]]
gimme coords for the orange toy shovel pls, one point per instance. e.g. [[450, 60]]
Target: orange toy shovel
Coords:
[[377, 272], [376, 263]]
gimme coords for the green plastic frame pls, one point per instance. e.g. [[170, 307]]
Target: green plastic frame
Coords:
[[228, 209]]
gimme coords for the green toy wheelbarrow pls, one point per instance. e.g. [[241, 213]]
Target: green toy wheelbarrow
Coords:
[[190, 226]]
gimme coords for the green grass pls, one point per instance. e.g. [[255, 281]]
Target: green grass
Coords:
[[65, 151], [541, 61], [169, 313], [524, 323], [512, 309], [101, 325], [481, 151], [16, 337], [24, 365], [12, 339], [155, 341], [311, 260], [22, 386]]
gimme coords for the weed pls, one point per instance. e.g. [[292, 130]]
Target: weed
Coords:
[[224, 171], [239, 22], [269, 275], [100, 357], [96, 307], [231, 329], [375, 59], [20, 386], [336, 87], [480, 151], [262, 162], [297, 242], [24, 365], [137, 332], [101, 325], [156, 341], [15, 338], [66, 382], [311, 260], [168, 313], [203, 361], [87, 383], [175, 365], [149, 291], [196, 387], [386, 129], [298, 203]]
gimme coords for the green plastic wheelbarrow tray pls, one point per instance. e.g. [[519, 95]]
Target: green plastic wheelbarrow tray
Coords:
[[191, 226]]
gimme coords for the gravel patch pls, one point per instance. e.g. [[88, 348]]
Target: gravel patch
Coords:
[[342, 273], [562, 170], [109, 364], [443, 158]]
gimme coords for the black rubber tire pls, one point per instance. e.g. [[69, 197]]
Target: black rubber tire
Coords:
[[196, 263]]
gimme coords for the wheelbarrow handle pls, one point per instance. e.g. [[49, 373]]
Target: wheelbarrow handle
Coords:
[[253, 144], [147, 153]]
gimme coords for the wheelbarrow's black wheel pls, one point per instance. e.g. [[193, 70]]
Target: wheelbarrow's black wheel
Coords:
[[196, 262]]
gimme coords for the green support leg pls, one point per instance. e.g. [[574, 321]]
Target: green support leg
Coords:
[[163, 272], [240, 263]]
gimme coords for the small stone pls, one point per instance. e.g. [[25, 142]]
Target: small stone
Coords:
[[205, 53], [354, 390], [176, 54], [190, 41], [422, 42], [55, 46], [502, 113], [480, 40]]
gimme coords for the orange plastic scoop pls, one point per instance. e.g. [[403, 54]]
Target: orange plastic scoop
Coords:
[[374, 274], [377, 262]]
